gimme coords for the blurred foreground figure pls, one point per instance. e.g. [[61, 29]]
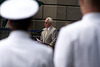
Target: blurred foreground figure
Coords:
[[78, 44], [19, 50]]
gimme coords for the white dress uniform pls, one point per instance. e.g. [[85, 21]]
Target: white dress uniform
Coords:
[[19, 50], [78, 44]]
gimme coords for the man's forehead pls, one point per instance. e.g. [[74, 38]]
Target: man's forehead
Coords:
[[47, 20]]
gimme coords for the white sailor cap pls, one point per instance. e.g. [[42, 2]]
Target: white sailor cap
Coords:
[[18, 9]]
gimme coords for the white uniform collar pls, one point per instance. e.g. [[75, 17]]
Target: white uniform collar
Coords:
[[93, 17], [19, 34]]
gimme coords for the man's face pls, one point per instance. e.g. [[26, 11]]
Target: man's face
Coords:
[[47, 23]]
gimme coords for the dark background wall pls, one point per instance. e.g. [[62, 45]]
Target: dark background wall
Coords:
[[63, 12]]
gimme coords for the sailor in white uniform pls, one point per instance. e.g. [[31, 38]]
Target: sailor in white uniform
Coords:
[[18, 49], [78, 44]]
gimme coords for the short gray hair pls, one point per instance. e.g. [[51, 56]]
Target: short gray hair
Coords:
[[50, 19]]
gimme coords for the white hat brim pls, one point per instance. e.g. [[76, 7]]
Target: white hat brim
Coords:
[[18, 9]]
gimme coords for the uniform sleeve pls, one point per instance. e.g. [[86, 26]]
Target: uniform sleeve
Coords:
[[49, 59], [51, 63], [63, 56]]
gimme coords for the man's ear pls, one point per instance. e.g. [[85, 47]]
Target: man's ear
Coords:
[[9, 24], [81, 2]]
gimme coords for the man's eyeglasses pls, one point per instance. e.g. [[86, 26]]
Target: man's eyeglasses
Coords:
[[46, 22]]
